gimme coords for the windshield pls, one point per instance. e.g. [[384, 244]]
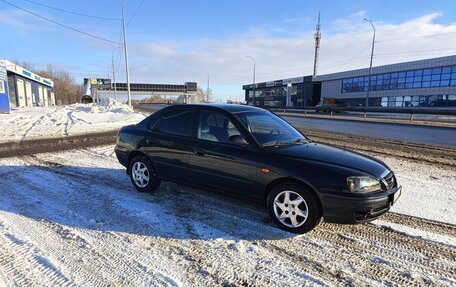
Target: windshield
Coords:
[[269, 129]]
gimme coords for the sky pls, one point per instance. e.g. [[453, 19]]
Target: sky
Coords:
[[178, 41]]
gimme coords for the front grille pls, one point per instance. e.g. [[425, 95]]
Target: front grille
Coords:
[[389, 181]]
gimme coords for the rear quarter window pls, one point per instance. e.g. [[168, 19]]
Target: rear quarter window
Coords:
[[177, 122]]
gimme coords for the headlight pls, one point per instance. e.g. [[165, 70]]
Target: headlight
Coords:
[[363, 184]]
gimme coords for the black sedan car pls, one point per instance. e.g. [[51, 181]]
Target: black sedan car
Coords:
[[249, 152]]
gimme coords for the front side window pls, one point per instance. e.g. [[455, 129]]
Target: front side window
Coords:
[[269, 129], [216, 127], [177, 122]]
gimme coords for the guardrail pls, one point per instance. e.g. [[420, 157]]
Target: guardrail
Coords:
[[408, 111]]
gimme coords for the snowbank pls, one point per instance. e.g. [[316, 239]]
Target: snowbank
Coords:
[[40, 122]]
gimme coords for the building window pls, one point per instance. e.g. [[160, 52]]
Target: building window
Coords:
[[407, 101], [412, 79]]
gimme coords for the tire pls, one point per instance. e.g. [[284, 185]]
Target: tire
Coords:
[[283, 211], [142, 174]]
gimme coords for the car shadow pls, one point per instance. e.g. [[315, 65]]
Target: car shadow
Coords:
[[104, 199]]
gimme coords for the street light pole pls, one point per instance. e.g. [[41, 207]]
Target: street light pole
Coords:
[[370, 66], [114, 74], [207, 90], [126, 53], [254, 66]]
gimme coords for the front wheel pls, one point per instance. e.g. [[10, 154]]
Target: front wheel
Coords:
[[142, 174], [294, 208]]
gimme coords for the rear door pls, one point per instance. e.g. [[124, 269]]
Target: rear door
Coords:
[[215, 162], [168, 144]]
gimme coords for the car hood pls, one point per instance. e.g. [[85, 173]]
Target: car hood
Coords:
[[333, 155]]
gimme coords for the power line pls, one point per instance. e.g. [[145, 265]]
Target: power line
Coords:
[[416, 37], [119, 60], [60, 24], [136, 11], [120, 50], [324, 66], [416, 51], [72, 12], [354, 57]]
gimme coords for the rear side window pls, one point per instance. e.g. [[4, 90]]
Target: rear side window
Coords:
[[177, 122]]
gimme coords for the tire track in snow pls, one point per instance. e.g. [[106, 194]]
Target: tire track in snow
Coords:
[[197, 253], [23, 256], [218, 240], [38, 122], [104, 252], [107, 256], [378, 235], [420, 223]]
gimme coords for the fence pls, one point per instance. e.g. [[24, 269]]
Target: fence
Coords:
[[366, 111]]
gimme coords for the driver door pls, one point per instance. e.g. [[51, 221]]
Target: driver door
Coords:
[[218, 164]]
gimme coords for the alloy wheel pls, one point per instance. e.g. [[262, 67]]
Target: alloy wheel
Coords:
[[290, 208], [141, 175]]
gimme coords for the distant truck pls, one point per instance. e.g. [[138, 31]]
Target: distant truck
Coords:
[[328, 103]]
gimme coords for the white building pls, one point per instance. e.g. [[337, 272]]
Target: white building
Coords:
[[24, 88]]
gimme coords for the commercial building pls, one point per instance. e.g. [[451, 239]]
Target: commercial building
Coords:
[[297, 92], [423, 83], [23, 88]]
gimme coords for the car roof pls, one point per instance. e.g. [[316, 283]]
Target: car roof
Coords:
[[232, 108]]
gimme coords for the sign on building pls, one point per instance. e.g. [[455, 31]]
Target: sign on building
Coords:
[[99, 83]]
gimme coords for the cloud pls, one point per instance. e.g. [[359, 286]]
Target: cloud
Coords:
[[18, 19], [349, 23], [345, 45]]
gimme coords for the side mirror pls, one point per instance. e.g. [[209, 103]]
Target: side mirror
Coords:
[[238, 140]]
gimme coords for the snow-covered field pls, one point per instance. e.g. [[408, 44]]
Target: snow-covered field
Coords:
[[42, 122], [74, 219]]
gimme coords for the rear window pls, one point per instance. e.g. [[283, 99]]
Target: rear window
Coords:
[[177, 122]]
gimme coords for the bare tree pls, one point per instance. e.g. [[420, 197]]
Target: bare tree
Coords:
[[155, 99], [65, 88], [202, 97]]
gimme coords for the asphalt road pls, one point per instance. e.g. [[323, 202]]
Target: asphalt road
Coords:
[[419, 134]]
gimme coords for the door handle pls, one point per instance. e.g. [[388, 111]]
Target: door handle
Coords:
[[198, 152]]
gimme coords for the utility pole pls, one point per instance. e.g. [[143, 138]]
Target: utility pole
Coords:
[[114, 76], [254, 66], [370, 66], [126, 53], [317, 45], [207, 90]]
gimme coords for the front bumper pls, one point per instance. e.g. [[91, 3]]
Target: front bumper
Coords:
[[349, 208]]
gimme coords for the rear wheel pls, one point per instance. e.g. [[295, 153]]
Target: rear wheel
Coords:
[[294, 208], [142, 174]]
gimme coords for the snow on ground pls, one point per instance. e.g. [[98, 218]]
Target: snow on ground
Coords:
[[445, 239], [429, 191], [40, 122], [74, 219]]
